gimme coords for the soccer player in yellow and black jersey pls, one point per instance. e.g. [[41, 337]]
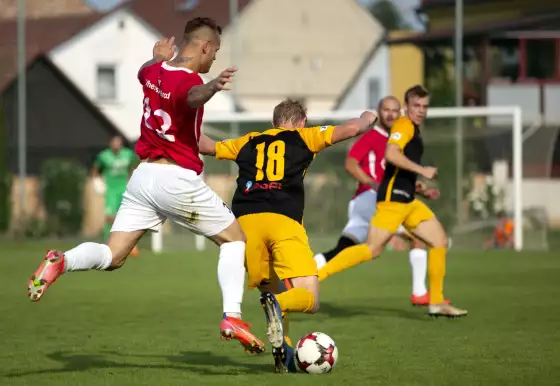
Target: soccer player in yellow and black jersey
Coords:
[[397, 204], [269, 203]]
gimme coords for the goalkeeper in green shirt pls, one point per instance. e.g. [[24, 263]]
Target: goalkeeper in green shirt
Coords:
[[114, 165]]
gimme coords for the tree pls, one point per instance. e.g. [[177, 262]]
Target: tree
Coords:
[[388, 15]]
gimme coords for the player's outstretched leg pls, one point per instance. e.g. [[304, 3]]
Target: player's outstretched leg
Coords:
[[323, 258], [231, 276], [282, 352], [84, 257], [432, 232], [350, 257]]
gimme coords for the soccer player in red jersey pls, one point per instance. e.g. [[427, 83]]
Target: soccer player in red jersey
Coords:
[[167, 183], [366, 164]]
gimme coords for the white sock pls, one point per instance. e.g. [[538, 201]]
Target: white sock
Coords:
[[88, 256], [320, 260], [231, 276], [419, 264]]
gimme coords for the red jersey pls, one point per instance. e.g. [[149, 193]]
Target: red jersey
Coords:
[[169, 128], [369, 151]]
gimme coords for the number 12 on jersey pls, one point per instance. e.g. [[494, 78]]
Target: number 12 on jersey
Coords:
[[274, 155], [166, 121]]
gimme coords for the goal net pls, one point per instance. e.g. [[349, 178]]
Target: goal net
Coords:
[[479, 154]]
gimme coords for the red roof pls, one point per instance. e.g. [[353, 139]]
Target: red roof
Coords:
[[166, 16], [42, 35]]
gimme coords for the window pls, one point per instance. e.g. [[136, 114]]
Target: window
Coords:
[[541, 58], [373, 93], [106, 83]]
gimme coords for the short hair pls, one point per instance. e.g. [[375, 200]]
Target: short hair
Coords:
[[197, 23], [289, 110], [417, 91], [387, 98]]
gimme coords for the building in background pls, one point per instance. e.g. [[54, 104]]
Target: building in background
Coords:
[[38, 9], [301, 49], [511, 57]]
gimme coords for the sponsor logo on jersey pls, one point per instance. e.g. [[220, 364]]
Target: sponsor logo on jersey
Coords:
[[323, 128], [249, 186], [396, 136], [151, 86]]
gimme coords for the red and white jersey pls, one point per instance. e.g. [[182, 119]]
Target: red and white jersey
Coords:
[[369, 151], [169, 128]]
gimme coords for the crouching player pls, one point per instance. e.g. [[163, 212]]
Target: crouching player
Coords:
[[269, 203]]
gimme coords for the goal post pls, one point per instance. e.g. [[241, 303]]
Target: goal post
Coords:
[[512, 115]]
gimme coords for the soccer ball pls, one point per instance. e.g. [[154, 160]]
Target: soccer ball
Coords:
[[316, 353]]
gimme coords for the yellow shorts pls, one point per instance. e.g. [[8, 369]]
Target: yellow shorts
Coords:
[[391, 215], [277, 246]]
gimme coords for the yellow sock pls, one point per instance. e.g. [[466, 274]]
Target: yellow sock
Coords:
[[286, 328], [347, 258], [296, 300], [436, 273]]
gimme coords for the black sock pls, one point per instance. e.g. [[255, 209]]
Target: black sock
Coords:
[[343, 243]]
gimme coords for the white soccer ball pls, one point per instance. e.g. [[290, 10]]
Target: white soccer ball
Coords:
[[316, 353]]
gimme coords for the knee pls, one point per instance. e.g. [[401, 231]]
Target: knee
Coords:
[[117, 262], [315, 306], [417, 244], [374, 250], [441, 242]]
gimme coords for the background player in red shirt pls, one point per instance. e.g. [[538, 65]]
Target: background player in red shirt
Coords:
[[167, 184], [366, 164]]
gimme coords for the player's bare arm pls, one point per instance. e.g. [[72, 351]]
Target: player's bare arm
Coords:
[[353, 168], [163, 50], [206, 145], [394, 155], [199, 95], [354, 127]]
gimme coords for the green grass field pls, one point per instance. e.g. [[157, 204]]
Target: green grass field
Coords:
[[155, 322]]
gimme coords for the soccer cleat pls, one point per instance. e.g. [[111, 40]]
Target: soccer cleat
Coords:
[[134, 252], [445, 310], [282, 352], [47, 273], [423, 300], [234, 328]]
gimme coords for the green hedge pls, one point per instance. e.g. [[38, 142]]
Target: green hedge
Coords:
[[63, 188]]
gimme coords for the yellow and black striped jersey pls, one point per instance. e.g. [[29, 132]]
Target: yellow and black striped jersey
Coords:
[[400, 185], [272, 165]]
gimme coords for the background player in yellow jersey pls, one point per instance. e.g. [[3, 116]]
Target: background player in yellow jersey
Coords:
[[397, 204], [269, 202]]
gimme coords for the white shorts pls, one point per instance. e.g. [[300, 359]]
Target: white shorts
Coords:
[[156, 192], [360, 212]]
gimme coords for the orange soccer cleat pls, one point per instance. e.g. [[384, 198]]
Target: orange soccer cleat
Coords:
[[134, 252], [47, 273], [423, 300], [234, 328]]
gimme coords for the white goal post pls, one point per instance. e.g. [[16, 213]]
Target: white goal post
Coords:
[[435, 112]]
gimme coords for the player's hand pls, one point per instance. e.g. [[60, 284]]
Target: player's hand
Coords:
[[164, 49], [371, 116], [220, 83], [421, 187], [429, 172], [432, 193]]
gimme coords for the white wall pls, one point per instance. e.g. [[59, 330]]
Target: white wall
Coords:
[[377, 68], [123, 40], [539, 193]]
